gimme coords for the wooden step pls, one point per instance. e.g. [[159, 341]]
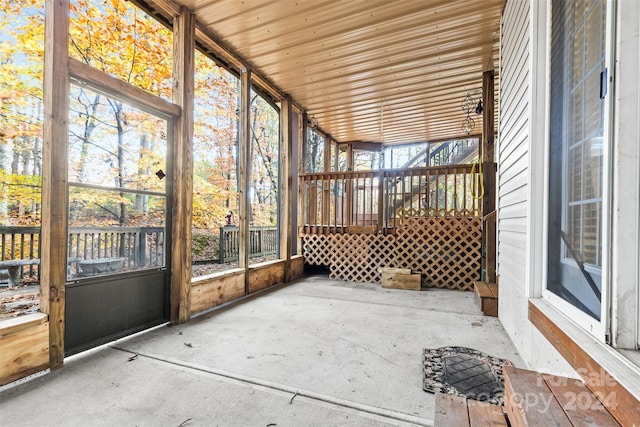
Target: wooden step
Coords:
[[457, 411], [488, 295], [535, 399]]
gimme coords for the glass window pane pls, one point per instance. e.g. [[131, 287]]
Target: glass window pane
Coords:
[[110, 233], [115, 145], [576, 149], [215, 181], [264, 192], [120, 39], [314, 152]]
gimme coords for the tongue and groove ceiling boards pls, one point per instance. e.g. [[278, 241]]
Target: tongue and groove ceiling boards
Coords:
[[367, 70]]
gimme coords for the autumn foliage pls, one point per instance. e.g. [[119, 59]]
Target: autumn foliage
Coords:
[[115, 145]]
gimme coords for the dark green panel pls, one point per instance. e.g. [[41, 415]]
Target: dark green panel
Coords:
[[115, 306]]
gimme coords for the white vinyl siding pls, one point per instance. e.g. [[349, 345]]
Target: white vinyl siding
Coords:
[[513, 174], [513, 143]]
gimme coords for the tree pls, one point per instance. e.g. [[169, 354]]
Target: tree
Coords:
[[21, 58]]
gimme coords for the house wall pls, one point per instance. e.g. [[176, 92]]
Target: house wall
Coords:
[[522, 183], [520, 165]]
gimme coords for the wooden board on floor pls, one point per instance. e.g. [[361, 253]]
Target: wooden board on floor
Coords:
[[528, 400], [451, 411], [483, 414], [402, 281], [581, 406]]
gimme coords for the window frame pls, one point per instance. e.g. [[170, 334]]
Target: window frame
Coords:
[[598, 328]]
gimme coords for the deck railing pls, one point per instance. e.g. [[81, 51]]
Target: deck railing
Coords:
[[136, 246], [263, 241], [375, 201]]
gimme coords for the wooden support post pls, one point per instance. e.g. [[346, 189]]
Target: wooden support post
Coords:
[[381, 198], [488, 171], [326, 184], [286, 180], [302, 209], [182, 166], [55, 160], [244, 172]]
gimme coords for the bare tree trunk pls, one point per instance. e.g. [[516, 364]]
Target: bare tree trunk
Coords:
[[142, 200]]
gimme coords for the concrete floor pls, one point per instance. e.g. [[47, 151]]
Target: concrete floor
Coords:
[[317, 352]]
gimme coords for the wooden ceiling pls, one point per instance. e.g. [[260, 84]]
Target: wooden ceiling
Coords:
[[368, 70]]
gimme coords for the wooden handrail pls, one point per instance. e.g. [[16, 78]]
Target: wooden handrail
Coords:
[[375, 201]]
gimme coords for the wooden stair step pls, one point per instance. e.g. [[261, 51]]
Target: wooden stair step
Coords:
[[535, 399], [457, 411], [488, 295]]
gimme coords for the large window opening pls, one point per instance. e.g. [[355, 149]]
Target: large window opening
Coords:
[[264, 180], [21, 118], [117, 186], [215, 181], [578, 155]]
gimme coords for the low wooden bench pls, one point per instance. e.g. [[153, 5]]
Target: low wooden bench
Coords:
[[457, 411], [488, 295]]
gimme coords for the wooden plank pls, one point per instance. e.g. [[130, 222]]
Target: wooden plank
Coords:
[[21, 323], [85, 75], [529, 402], [296, 267], [614, 396], [182, 166], [483, 414], [302, 126], [24, 352], [391, 270], [208, 292], [488, 138], [55, 161], [581, 406], [482, 290], [265, 274], [244, 172], [286, 181], [401, 281], [493, 288], [361, 229], [451, 411]]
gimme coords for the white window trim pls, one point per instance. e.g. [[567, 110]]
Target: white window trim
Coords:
[[623, 276], [538, 224]]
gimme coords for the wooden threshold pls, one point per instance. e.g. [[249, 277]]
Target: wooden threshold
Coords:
[[605, 372]]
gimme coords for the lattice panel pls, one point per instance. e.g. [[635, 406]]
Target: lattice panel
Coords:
[[317, 249], [446, 251], [358, 257]]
